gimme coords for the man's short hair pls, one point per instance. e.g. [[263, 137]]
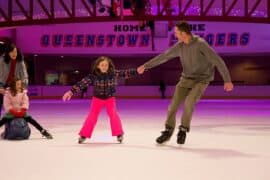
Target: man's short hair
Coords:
[[184, 27]]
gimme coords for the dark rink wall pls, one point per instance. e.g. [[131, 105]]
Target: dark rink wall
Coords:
[[245, 70]]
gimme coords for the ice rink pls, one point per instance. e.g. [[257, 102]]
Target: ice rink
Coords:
[[229, 140]]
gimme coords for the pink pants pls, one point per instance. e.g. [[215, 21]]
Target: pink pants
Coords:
[[96, 106]]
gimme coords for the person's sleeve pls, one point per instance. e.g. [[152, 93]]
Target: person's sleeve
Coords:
[[164, 57], [25, 101], [2, 83], [24, 73], [125, 74], [7, 101], [216, 60], [84, 83]]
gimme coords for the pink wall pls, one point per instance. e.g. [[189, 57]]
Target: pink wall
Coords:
[[7, 35], [6, 32]]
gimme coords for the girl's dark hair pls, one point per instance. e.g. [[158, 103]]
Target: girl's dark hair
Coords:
[[95, 69], [12, 86], [184, 27], [9, 48]]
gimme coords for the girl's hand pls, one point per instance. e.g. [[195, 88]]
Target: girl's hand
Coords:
[[2, 91], [67, 96]]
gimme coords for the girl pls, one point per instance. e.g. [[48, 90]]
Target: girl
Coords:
[[103, 78], [16, 104], [11, 66]]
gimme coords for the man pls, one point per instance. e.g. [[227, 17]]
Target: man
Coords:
[[198, 60]]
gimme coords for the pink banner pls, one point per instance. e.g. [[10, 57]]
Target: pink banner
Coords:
[[128, 38], [88, 38]]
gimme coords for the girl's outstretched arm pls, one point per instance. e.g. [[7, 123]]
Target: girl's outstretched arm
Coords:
[[125, 74], [84, 83]]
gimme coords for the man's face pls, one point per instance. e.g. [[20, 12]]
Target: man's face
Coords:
[[180, 35]]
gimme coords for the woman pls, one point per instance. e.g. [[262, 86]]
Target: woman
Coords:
[[11, 66]]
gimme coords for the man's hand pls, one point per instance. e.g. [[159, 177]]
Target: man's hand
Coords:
[[141, 69], [228, 86]]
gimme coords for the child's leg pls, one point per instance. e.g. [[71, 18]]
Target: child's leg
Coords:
[[91, 119], [116, 125], [4, 120], [33, 122], [7, 118], [43, 131]]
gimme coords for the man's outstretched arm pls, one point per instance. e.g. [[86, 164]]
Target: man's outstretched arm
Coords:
[[162, 58]]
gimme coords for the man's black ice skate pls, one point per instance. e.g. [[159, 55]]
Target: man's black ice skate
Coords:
[[46, 134], [81, 139], [181, 136], [165, 135], [120, 138]]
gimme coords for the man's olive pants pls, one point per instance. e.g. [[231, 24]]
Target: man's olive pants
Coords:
[[187, 91]]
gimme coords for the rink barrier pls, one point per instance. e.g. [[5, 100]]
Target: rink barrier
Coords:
[[241, 92]]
